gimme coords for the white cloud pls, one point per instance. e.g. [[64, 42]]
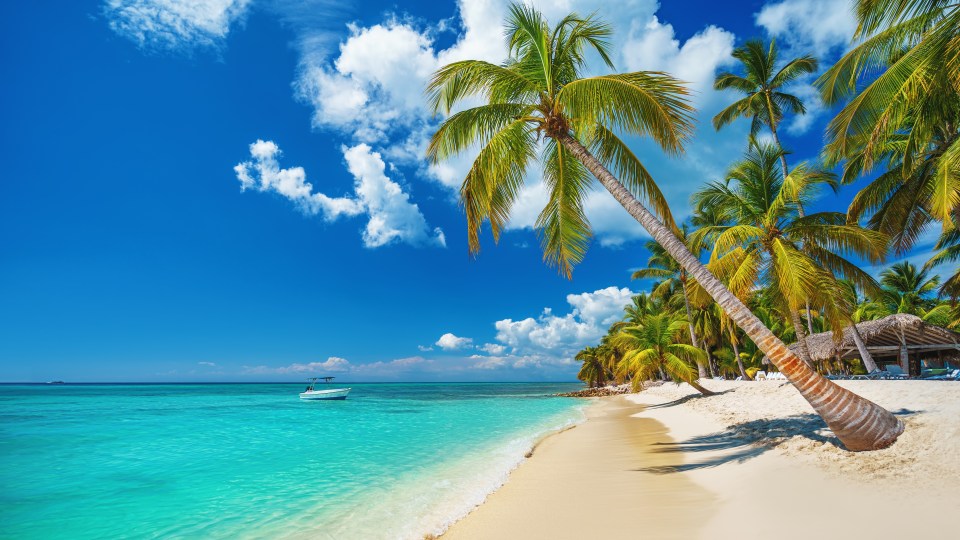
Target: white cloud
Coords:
[[392, 217], [493, 348], [652, 46], [809, 26], [556, 337], [450, 342], [801, 123], [208, 364], [264, 174], [170, 24], [424, 348], [334, 364]]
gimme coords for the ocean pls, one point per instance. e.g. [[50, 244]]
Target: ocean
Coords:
[[254, 461]]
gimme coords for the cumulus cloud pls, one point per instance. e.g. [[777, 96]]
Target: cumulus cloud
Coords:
[[814, 27], [171, 24], [264, 174], [557, 337], [392, 216], [652, 46], [450, 342]]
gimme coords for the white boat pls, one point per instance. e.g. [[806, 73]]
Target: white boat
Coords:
[[331, 393]]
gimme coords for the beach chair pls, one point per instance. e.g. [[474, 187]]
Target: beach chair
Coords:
[[896, 372], [951, 376], [760, 376]]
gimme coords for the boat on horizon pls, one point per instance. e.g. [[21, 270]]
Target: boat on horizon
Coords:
[[333, 393]]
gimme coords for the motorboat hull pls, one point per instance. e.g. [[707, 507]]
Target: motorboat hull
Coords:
[[336, 393]]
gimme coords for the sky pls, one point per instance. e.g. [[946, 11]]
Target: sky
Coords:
[[236, 190]]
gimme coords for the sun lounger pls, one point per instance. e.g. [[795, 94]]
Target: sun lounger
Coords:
[[896, 372], [951, 376]]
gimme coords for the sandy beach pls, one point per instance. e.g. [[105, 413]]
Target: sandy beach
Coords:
[[750, 462]]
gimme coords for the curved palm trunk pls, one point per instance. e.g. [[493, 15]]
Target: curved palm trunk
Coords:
[[701, 365], [801, 337], [859, 423], [865, 355], [701, 389]]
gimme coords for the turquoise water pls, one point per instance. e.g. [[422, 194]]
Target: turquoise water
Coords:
[[253, 461]]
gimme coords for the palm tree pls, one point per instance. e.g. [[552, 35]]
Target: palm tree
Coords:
[[662, 266], [538, 100], [592, 371], [903, 112], [764, 238], [905, 289], [652, 346], [949, 251], [762, 84]]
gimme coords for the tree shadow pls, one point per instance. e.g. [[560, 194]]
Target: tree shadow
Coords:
[[684, 399], [746, 440]]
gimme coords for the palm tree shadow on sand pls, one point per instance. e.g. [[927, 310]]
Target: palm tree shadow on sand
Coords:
[[746, 440]]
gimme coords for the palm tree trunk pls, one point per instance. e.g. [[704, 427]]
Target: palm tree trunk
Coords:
[[859, 423], [786, 172], [801, 337], [701, 389], [865, 355], [701, 367], [706, 349], [776, 138], [736, 355]]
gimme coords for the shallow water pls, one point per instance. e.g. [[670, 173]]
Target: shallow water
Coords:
[[252, 460]]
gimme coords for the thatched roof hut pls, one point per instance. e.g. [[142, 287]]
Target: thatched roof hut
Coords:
[[887, 339]]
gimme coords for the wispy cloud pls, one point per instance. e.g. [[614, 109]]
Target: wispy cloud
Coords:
[[332, 364], [175, 24]]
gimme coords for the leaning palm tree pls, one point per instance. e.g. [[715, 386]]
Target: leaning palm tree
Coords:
[[762, 84], [662, 266], [538, 101], [653, 345], [901, 88], [764, 238]]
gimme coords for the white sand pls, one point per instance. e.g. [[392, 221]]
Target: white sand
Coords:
[[752, 462]]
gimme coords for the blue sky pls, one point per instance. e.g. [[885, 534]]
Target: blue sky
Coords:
[[236, 190]]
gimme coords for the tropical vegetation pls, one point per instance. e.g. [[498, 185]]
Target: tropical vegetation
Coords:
[[769, 256]]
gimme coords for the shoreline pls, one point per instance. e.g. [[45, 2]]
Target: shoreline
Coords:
[[666, 463], [594, 461]]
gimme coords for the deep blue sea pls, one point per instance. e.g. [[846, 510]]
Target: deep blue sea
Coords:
[[254, 461]]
